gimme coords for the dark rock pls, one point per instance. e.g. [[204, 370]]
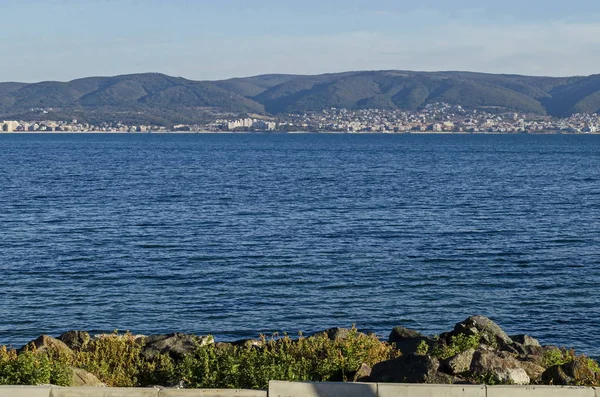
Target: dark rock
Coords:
[[512, 348], [556, 375], [82, 378], [47, 344], [76, 340], [534, 371], [503, 369], [411, 345], [536, 354], [399, 333], [459, 363], [577, 372], [223, 345], [529, 349], [410, 368], [176, 345], [363, 374], [525, 340], [335, 333], [445, 336], [490, 332], [407, 340]]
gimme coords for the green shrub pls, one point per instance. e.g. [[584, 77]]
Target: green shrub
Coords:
[[31, 368], [458, 343], [592, 365], [116, 360], [554, 357], [307, 359], [423, 348]]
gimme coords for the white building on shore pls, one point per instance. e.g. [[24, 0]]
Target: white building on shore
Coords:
[[9, 126]]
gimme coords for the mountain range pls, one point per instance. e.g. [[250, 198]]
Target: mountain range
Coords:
[[161, 99]]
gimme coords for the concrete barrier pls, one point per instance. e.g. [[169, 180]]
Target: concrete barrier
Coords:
[[539, 391], [211, 393], [419, 390], [102, 392], [25, 391], [309, 389]]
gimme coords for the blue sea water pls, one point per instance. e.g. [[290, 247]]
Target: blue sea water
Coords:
[[235, 235]]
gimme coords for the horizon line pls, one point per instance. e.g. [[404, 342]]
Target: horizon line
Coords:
[[298, 75]]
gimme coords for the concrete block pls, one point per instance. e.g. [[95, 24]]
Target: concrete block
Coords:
[[25, 391], [539, 391], [211, 393], [309, 389], [102, 392], [423, 390]]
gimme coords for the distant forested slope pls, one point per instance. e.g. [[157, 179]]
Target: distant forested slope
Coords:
[[163, 99]]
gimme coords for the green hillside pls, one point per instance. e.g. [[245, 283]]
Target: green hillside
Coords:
[[163, 99]]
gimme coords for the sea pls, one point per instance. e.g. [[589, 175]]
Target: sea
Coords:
[[235, 235]]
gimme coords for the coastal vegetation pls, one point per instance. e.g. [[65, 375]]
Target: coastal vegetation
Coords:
[[476, 351]]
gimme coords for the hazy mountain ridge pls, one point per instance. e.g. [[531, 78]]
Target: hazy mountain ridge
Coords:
[[166, 99]]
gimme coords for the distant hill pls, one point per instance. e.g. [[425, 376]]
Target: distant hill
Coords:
[[162, 99]]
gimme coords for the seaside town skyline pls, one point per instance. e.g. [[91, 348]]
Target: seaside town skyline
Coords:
[[434, 118]]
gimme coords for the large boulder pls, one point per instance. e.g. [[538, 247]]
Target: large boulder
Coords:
[[407, 340], [533, 370], [47, 344], [409, 368], [525, 340], [459, 363], [76, 340], [490, 332], [399, 333], [176, 345], [82, 378], [578, 372], [502, 369], [524, 345]]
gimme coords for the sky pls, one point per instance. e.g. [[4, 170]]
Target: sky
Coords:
[[217, 39]]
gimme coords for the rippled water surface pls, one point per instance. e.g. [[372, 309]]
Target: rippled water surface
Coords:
[[239, 234]]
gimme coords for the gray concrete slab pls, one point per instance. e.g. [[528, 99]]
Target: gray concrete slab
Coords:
[[539, 391], [25, 391], [102, 392], [211, 393], [420, 390], [308, 389]]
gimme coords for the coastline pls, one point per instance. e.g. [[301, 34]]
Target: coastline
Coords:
[[2, 133], [475, 351]]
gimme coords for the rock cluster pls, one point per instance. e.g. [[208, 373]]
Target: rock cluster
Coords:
[[477, 350], [493, 357]]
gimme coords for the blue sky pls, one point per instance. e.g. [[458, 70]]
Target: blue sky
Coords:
[[208, 39]]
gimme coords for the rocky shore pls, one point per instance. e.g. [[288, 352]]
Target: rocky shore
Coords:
[[475, 351]]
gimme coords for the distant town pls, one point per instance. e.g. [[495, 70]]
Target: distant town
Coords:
[[434, 118]]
